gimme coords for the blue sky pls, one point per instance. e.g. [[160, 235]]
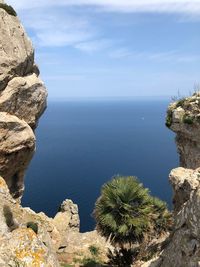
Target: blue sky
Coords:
[[114, 48]]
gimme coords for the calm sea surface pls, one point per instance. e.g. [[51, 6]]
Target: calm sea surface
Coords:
[[81, 145]]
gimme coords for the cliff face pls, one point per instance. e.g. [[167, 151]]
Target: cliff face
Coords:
[[22, 101], [184, 243], [26, 238], [182, 248], [183, 117]]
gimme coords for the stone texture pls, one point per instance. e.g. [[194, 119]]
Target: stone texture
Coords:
[[184, 118], [67, 217], [183, 249], [16, 51], [19, 244], [76, 246], [16, 149], [25, 97]]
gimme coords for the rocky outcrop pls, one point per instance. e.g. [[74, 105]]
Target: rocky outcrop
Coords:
[[22, 101], [183, 245], [67, 218], [16, 149], [21, 244], [183, 117], [25, 97], [183, 248], [16, 51]]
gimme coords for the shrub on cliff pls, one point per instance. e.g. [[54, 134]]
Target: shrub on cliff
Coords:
[[127, 213], [9, 9]]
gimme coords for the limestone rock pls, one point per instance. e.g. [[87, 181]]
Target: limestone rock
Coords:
[[184, 119], [76, 246], [19, 244], [183, 182], [183, 250], [67, 218], [22, 247], [25, 97], [16, 149], [16, 51]]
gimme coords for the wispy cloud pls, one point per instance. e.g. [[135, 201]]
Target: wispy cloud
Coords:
[[56, 29], [166, 6], [166, 56]]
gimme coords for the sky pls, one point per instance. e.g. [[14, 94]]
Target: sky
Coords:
[[114, 48]]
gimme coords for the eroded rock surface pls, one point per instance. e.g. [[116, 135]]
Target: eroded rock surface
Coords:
[[20, 245], [67, 217], [183, 117], [183, 245], [16, 149], [22, 101], [25, 97]]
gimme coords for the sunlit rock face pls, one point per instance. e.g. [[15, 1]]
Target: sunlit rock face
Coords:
[[184, 246], [22, 101], [183, 117], [20, 245]]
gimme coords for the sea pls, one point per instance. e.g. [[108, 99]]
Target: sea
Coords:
[[82, 144]]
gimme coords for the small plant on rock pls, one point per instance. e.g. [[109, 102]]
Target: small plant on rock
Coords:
[[33, 226], [9, 9], [94, 250], [188, 119]]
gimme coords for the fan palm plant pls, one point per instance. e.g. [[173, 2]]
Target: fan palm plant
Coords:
[[126, 212]]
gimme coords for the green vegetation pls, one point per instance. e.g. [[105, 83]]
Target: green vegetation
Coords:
[[91, 260], [126, 212], [33, 226], [94, 250], [188, 119], [180, 102], [168, 121], [9, 9]]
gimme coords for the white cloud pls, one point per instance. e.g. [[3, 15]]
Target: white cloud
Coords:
[[166, 6], [170, 56], [57, 29]]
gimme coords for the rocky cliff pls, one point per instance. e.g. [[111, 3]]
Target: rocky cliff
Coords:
[[26, 238], [30, 239], [22, 101], [182, 248], [183, 117]]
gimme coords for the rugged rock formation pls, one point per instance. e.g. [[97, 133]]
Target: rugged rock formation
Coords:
[[19, 245], [24, 97], [16, 51], [183, 117], [67, 217], [16, 149], [184, 243], [22, 101], [26, 238]]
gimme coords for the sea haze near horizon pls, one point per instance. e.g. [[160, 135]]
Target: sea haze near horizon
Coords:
[[82, 144]]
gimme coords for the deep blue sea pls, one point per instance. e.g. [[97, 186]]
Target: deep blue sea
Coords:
[[82, 144]]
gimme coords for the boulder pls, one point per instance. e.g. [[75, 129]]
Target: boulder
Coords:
[[16, 150], [24, 97], [67, 218], [16, 51]]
